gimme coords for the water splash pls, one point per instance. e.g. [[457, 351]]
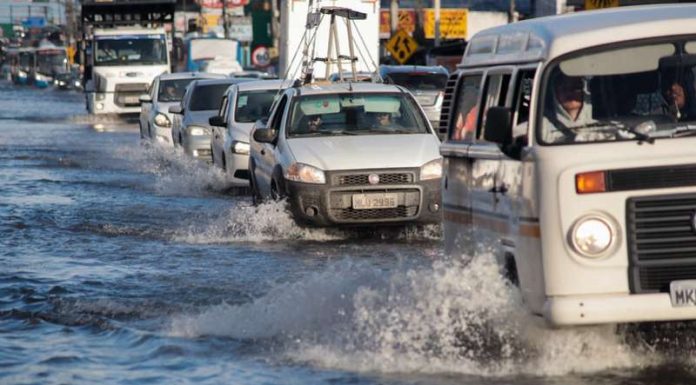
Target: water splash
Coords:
[[453, 317]]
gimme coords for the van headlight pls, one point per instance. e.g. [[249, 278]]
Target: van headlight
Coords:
[[240, 148], [431, 170], [162, 120], [592, 236], [300, 172], [198, 131]]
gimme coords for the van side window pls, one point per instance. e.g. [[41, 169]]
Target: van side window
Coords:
[[523, 98], [495, 95], [464, 124]]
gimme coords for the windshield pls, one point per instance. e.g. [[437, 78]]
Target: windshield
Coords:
[[53, 61], [356, 114], [419, 81], [254, 105], [130, 50], [640, 92], [172, 90], [208, 97], [25, 59]]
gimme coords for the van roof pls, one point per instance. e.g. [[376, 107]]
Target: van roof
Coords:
[[336, 88], [548, 37]]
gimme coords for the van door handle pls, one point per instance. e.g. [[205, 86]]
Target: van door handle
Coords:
[[502, 189], [263, 152]]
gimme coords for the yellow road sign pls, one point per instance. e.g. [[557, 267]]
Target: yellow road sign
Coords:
[[401, 46], [597, 4], [453, 23]]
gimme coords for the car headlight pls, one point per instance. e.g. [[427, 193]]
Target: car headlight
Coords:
[[21, 74], [592, 236], [300, 172], [100, 97], [431, 170], [198, 131], [162, 120], [240, 148]]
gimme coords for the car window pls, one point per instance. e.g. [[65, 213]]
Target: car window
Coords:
[[495, 94], [172, 90], [254, 105], [466, 111], [356, 114], [207, 97]]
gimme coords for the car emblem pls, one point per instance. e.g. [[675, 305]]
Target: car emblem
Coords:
[[373, 179]]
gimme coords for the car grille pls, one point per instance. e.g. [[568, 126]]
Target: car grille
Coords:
[[661, 236], [371, 214], [128, 95], [363, 179], [651, 177]]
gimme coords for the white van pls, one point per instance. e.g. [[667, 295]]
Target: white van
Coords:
[[572, 149]]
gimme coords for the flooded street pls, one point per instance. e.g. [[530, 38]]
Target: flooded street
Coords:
[[128, 264]]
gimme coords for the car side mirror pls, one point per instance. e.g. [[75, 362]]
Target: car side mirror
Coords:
[[264, 135], [217, 121], [498, 127], [261, 123], [176, 109], [145, 98]]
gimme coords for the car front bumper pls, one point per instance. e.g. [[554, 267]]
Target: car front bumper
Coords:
[[199, 147], [332, 203]]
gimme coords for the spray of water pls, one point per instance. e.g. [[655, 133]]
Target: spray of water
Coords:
[[454, 316]]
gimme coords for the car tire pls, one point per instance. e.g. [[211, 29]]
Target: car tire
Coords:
[[212, 156], [224, 163], [256, 197]]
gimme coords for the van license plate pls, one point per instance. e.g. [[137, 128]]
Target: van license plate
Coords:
[[131, 99], [683, 293], [374, 201]]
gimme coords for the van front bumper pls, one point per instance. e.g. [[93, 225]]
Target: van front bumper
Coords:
[[326, 205], [614, 308]]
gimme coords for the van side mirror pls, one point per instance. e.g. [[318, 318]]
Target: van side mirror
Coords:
[[145, 98], [261, 123], [217, 120], [176, 109], [264, 135], [498, 128]]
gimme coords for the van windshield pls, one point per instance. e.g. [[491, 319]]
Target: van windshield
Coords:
[[356, 114], [640, 92]]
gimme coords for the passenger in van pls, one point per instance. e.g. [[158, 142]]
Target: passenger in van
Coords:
[[675, 96], [313, 123], [569, 112]]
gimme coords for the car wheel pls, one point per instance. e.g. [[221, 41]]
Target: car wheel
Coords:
[[224, 163], [141, 131], [212, 156], [276, 193]]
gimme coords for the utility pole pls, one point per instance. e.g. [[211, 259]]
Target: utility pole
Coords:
[[224, 19], [511, 14], [437, 23], [394, 15]]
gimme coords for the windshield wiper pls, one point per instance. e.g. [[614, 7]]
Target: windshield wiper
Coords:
[[641, 136], [325, 133]]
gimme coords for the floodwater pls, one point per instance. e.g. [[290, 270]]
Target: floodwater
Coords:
[[130, 264]]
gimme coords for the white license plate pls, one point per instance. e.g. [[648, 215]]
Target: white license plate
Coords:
[[374, 201], [683, 293], [131, 99]]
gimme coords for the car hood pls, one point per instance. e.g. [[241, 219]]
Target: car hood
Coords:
[[199, 118], [365, 151], [240, 131]]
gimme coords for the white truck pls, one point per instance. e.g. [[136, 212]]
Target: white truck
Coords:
[[126, 47], [293, 19]]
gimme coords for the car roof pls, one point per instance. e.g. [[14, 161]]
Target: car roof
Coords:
[[264, 85], [546, 38], [225, 80], [388, 69], [189, 75], [334, 88]]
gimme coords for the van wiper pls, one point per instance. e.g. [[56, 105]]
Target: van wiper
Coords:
[[641, 136]]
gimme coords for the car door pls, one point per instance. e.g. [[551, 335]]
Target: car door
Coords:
[[266, 160], [146, 111], [460, 114], [218, 141], [485, 188]]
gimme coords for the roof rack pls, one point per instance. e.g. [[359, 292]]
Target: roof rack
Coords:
[[109, 13]]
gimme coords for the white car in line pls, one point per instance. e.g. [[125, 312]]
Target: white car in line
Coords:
[[165, 91], [242, 105], [348, 154]]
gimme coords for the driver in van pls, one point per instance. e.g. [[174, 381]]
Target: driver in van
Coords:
[[675, 96], [569, 112]]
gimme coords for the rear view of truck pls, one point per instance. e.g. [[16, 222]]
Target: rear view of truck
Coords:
[[125, 47]]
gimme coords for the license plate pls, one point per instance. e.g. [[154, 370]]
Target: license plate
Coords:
[[374, 201], [683, 293], [131, 99]]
